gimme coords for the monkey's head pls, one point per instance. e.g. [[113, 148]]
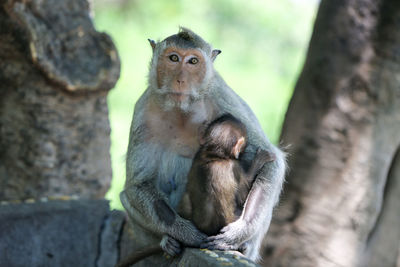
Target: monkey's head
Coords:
[[181, 68], [225, 137]]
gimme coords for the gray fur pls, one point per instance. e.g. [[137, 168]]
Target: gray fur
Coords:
[[185, 38], [154, 173]]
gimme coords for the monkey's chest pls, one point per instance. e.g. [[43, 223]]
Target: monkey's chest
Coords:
[[181, 138], [172, 172]]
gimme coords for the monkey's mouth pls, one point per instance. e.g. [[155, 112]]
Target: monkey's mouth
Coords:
[[178, 96]]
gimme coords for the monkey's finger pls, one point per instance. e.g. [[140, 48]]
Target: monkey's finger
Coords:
[[220, 242], [172, 248], [212, 238], [211, 241], [173, 251], [225, 229], [219, 237], [173, 242], [175, 245]]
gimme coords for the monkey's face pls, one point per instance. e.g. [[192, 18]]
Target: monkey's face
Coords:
[[181, 74]]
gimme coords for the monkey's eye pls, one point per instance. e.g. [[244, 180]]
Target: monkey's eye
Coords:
[[193, 60], [174, 58]]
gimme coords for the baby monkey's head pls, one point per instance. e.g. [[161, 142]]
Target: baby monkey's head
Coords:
[[225, 137]]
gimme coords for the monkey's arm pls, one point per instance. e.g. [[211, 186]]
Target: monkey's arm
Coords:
[[149, 208]]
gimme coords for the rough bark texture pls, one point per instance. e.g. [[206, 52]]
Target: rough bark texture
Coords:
[[341, 201], [55, 72]]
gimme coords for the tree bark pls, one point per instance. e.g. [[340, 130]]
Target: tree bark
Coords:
[[340, 205], [55, 72]]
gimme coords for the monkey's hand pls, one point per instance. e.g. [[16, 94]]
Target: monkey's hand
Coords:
[[230, 237], [184, 231], [170, 246]]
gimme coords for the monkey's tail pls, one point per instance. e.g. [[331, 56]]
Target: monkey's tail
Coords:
[[140, 255]]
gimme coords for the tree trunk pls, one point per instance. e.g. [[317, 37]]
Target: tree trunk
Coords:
[[341, 202], [55, 72]]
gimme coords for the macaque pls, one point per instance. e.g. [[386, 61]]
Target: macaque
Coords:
[[185, 93], [218, 182]]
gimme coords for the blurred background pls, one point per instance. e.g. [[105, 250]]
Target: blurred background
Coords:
[[263, 45]]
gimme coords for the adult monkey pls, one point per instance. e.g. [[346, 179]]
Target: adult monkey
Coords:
[[185, 93]]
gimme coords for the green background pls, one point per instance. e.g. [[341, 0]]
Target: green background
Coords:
[[263, 45]]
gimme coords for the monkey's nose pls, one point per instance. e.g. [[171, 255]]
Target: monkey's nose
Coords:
[[180, 82]]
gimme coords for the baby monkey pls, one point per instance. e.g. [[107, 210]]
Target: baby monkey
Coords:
[[220, 179]]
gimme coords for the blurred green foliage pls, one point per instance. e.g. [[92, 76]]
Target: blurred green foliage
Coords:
[[263, 47]]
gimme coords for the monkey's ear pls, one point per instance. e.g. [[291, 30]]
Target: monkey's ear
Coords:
[[238, 147], [214, 54], [152, 43]]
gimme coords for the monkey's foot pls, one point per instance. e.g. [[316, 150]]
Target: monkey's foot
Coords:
[[170, 246]]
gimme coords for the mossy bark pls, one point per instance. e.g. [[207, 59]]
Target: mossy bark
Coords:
[[55, 72]]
